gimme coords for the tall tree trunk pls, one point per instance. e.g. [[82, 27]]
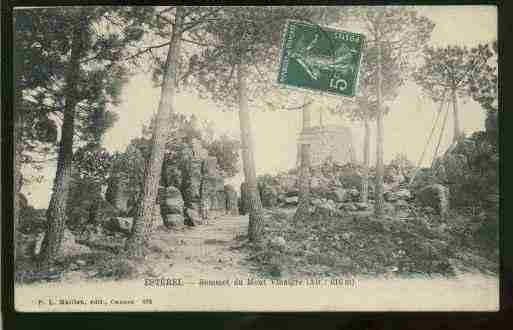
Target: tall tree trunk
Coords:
[[256, 216], [143, 220], [458, 136], [304, 172], [18, 147], [364, 197], [379, 201], [56, 213], [302, 211]]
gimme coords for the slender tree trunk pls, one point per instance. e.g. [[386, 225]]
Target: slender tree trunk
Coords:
[[458, 136], [366, 156], [302, 211], [304, 172], [143, 220], [254, 204], [18, 147], [56, 213], [307, 114], [379, 201]]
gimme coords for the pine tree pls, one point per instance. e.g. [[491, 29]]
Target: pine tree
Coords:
[[72, 69], [447, 75], [240, 45], [399, 32]]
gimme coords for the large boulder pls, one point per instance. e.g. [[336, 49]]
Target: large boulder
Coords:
[[325, 209], [198, 151], [403, 194], [361, 206], [118, 194], [209, 166], [69, 246], [451, 168], [355, 194], [269, 196], [292, 201], [121, 224], [435, 196], [174, 220], [231, 200], [219, 202], [170, 200], [348, 206], [337, 194], [192, 217], [390, 196]]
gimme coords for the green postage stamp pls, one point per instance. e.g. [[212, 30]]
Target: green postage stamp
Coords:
[[317, 58]]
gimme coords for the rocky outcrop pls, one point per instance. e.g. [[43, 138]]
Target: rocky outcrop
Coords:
[[451, 168], [69, 246], [193, 217], [121, 224], [171, 206], [231, 200], [243, 204], [269, 196], [435, 196], [118, 194]]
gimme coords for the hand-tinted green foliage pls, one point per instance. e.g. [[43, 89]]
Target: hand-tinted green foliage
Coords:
[[42, 45]]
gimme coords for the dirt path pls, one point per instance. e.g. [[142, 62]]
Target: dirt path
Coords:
[[203, 251]]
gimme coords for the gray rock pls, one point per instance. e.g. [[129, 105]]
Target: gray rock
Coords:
[[361, 206], [403, 194], [69, 247], [38, 243], [192, 217], [325, 209], [292, 200], [350, 207], [231, 200], [338, 195], [278, 242], [451, 168], [428, 210], [81, 262], [174, 220], [171, 201], [118, 194], [269, 196], [390, 196], [401, 204], [121, 224], [355, 194], [435, 196], [388, 207]]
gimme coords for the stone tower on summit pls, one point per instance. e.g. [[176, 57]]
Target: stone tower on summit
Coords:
[[333, 143]]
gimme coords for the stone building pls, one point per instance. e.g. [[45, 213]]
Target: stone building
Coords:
[[328, 143]]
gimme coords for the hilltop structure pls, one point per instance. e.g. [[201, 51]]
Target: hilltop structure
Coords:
[[332, 143]]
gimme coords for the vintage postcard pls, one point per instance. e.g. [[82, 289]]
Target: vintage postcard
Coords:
[[265, 158]]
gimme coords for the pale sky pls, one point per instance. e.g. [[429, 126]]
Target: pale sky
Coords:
[[406, 127]]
